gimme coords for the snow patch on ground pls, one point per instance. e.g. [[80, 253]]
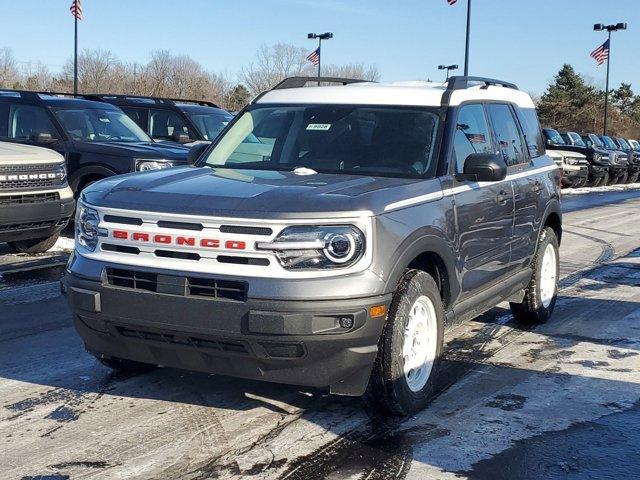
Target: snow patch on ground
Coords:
[[64, 244], [610, 188]]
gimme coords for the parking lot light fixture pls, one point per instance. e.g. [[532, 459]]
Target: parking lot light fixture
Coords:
[[448, 68], [320, 37], [609, 28]]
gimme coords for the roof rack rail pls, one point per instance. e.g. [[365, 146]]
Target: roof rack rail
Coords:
[[297, 82], [157, 100], [27, 94], [460, 82]]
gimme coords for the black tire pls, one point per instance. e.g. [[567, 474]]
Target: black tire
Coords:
[[633, 178], [605, 180], [532, 310], [34, 245], [623, 179], [613, 179], [388, 391], [126, 366]]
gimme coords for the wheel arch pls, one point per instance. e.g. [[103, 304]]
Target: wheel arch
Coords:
[[433, 255], [82, 175], [553, 218]]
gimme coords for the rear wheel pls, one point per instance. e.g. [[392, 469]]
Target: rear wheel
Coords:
[[541, 293], [403, 378], [35, 245]]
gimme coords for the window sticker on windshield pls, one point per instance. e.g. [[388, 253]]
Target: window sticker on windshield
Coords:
[[319, 126], [104, 120]]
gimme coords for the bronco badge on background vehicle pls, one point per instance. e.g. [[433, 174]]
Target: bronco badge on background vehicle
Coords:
[[327, 238]]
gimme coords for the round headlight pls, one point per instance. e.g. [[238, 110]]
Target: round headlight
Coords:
[[340, 247]]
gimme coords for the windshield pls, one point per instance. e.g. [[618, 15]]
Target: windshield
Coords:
[[623, 143], [593, 139], [210, 124], [576, 139], [96, 125], [608, 142], [554, 136], [357, 140]]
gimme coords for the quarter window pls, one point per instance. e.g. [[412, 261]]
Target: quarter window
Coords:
[[507, 134], [532, 131], [472, 134]]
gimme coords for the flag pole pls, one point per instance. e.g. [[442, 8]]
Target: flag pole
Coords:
[[319, 58], [606, 90], [75, 54], [466, 51]]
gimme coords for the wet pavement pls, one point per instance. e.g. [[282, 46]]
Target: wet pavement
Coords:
[[560, 401]]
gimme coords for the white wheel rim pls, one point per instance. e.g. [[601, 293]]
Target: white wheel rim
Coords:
[[420, 343], [548, 275]]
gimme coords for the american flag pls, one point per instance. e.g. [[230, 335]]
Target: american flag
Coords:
[[314, 57], [601, 54], [452, 2], [76, 9]]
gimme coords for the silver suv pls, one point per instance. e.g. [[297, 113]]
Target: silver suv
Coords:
[[327, 238], [35, 199]]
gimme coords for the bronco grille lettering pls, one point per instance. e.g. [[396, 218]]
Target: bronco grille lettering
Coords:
[[182, 240]]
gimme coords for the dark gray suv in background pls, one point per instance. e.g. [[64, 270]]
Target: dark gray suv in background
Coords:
[[327, 239]]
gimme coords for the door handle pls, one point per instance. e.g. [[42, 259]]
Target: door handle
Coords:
[[502, 197]]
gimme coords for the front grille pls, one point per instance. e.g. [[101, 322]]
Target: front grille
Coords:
[[50, 176], [45, 167], [182, 339], [176, 285], [29, 198]]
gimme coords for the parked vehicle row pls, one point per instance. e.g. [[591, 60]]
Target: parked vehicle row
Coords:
[[105, 135], [593, 160]]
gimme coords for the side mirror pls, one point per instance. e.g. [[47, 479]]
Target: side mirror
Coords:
[[180, 137], [485, 167], [41, 137], [196, 152]]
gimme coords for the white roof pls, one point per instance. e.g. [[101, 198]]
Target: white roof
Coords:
[[411, 93], [13, 153]]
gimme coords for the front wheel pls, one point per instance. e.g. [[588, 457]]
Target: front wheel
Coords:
[[541, 293], [34, 245], [403, 377]]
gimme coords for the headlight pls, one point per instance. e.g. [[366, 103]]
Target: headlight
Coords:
[[144, 164], [62, 172], [597, 157], [314, 248], [87, 231], [571, 161]]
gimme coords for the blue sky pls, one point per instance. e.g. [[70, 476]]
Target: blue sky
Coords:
[[525, 41]]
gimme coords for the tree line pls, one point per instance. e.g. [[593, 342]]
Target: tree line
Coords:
[[572, 103], [170, 75]]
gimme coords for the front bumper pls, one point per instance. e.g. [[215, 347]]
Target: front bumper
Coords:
[[293, 342], [597, 171], [574, 174], [26, 216]]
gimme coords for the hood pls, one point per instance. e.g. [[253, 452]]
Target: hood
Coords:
[[15, 153], [252, 193], [158, 150]]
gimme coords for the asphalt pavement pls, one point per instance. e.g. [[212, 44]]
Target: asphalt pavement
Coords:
[[561, 401]]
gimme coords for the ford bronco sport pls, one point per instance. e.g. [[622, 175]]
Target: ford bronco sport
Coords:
[[35, 199], [327, 238]]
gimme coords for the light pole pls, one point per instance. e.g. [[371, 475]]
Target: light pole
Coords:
[[466, 47], [609, 28], [448, 68], [320, 37]]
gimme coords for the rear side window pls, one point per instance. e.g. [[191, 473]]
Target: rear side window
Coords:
[[532, 131], [507, 133], [472, 134], [138, 115]]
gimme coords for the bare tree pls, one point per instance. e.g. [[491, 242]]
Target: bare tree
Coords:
[[273, 64], [37, 77], [352, 70], [9, 74], [99, 71]]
